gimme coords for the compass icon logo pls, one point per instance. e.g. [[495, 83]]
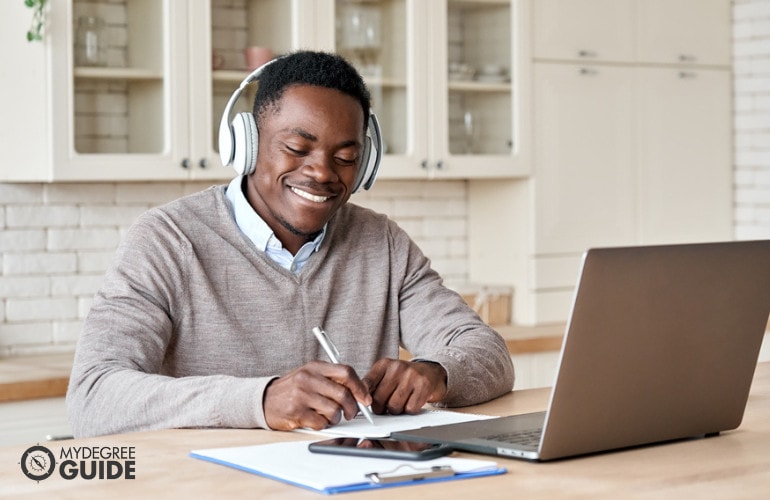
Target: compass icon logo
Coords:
[[37, 463]]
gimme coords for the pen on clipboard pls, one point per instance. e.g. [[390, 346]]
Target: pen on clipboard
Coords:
[[334, 356]]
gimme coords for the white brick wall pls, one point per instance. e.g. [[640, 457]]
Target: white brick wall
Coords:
[[58, 239], [751, 59]]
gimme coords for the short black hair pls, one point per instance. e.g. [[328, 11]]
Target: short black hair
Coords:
[[304, 67]]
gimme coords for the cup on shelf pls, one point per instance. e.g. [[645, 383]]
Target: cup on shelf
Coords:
[[256, 56], [217, 60]]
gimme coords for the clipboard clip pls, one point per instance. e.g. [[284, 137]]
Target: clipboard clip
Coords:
[[398, 475]]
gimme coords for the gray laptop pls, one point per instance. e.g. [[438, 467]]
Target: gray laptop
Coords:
[[661, 345]]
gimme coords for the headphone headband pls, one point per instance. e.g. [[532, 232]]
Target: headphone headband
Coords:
[[239, 138]]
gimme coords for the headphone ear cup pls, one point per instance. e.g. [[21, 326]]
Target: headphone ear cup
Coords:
[[365, 167], [245, 143], [371, 156]]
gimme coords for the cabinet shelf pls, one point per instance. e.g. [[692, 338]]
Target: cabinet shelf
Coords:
[[473, 86], [474, 3], [385, 82], [229, 75], [236, 76], [135, 74]]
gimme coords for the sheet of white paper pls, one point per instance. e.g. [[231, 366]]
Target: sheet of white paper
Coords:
[[384, 425], [292, 462]]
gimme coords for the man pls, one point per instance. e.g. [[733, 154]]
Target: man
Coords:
[[205, 317]]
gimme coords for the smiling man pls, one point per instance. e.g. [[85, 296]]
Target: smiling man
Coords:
[[310, 145], [205, 317]]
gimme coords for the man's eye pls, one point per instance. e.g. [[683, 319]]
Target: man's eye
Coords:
[[294, 151], [346, 161]]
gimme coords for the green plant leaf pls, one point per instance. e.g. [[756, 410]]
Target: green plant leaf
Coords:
[[38, 19]]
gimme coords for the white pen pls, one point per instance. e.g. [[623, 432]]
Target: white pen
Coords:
[[334, 356]]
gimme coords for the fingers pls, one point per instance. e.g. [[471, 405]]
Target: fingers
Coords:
[[319, 394], [315, 395], [400, 386]]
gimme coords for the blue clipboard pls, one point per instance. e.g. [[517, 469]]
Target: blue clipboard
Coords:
[[292, 463]]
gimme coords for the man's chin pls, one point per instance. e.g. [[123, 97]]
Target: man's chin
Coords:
[[297, 230]]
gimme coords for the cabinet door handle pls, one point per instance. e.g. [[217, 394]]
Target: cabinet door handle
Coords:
[[586, 53], [424, 164], [203, 163], [688, 74], [687, 58], [185, 163], [588, 71], [439, 165]]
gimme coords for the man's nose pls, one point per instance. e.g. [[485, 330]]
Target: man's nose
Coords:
[[321, 168]]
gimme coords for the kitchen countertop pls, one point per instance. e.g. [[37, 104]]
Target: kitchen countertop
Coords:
[[532, 339], [45, 376], [32, 377]]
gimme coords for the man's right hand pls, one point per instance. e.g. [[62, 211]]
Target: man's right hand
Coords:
[[315, 395]]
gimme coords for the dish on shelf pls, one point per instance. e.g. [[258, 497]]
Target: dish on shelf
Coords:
[[461, 71], [492, 78]]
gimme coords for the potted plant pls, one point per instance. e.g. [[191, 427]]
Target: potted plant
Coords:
[[35, 31]]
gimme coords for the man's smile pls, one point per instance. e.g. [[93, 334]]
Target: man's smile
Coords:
[[309, 196]]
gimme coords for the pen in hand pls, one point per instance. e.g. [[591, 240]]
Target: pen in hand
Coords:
[[333, 353]]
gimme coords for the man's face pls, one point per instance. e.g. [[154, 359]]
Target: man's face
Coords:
[[310, 148]]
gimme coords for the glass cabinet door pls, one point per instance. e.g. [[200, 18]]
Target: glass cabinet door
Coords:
[[116, 110], [370, 34], [381, 39], [244, 34], [479, 78], [479, 128], [119, 77], [447, 80]]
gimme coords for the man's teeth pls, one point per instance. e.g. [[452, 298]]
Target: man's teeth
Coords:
[[308, 196]]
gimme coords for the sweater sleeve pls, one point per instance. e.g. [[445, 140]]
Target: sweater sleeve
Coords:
[[117, 382], [438, 326]]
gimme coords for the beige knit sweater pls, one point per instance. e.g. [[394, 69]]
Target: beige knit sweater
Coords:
[[192, 321]]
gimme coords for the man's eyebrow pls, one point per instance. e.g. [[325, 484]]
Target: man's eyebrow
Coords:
[[304, 134], [310, 137]]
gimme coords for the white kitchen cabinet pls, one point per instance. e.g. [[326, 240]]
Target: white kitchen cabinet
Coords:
[[630, 155], [630, 148], [645, 31], [685, 179], [584, 189], [684, 31], [130, 119], [449, 82], [568, 30], [152, 112]]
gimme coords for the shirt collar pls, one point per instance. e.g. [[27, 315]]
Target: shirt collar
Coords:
[[252, 225]]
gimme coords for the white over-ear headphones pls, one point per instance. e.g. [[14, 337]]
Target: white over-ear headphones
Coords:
[[239, 139]]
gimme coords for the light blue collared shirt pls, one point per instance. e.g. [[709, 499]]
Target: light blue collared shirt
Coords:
[[257, 230]]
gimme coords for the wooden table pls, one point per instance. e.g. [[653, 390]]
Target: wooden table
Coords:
[[733, 465]]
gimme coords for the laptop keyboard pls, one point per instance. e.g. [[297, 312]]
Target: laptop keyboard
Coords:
[[530, 437]]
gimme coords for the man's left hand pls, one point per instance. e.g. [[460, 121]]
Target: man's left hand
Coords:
[[400, 386]]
